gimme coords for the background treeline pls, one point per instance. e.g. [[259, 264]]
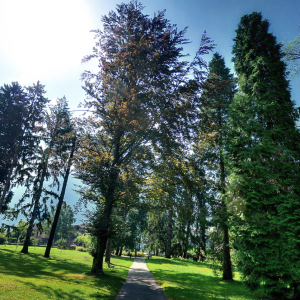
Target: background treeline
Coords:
[[174, 153]]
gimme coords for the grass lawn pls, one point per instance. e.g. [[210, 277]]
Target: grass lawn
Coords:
[[188, 280], [64, 276]]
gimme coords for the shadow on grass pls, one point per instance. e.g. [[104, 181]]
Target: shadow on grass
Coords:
[[34, 266], [51, 293], [74, 294], [190, 283], [178, 261]]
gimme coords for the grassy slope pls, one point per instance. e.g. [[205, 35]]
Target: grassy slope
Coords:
[[184, 279], [64, 276]]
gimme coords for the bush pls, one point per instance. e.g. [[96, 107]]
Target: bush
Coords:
[[61, 242], [85, 240], [33, 241], [139, 254], [78, 248], [2, 238]]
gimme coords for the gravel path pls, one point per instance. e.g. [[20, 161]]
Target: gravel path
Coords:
[[140, 284]]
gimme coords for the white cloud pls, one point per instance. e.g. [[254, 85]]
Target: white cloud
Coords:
[[42, 39]]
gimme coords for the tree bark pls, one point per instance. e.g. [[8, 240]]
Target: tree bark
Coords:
[[121, 249], [59, 204], [186, 241], [108, 250], [37, 197], [169, 241], [30, 227], [97, 267], [117, 251], [227, 268]]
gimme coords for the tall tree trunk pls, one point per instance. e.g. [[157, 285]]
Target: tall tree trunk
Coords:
[[59, 204], [121, 249], [186, 241], [227, 267], [37, 197], [199, 256], [97, 267], [117, 251], [201, 224], [30, 227], [108, 250], [169, 233], [203, 244]]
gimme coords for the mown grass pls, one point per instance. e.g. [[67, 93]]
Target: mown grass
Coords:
[[64, 276], [188, 280]]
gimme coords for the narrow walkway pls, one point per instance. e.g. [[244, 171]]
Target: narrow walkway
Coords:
[[140, 284]]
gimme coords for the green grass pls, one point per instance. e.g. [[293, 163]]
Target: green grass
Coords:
[[64, 276], [188, 280]]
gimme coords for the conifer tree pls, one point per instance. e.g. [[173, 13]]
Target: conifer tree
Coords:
[[58, 136], [64, 152], [263, 157], [21, 114], [217, 95]]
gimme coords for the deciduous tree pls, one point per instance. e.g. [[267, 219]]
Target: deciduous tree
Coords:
[[292, 55], [137, 98]]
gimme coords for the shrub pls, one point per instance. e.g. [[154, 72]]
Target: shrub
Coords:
[[78, 248], [85, 240], [61, 242], [2, 238], [139, 254], [33, 241]]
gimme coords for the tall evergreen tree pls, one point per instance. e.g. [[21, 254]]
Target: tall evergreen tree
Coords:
[[21, 114], [64, 152], [263, 151], [217, 95], [58, 136]]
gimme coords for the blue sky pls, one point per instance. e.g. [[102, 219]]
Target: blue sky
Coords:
[[46, 40]]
